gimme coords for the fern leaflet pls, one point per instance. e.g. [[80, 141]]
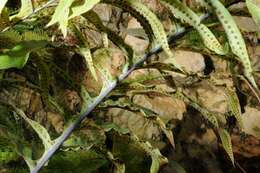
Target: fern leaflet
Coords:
[[235, 38]]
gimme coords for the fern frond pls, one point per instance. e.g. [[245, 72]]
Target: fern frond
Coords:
[[234, 105], [44, 77], [84, 50], [86, 53], [149, 21], [26, 9], [235, 38], [78, 10], [35, 35], [38, 128], [99, 56], [186, 15], [2, 5], [226, 142], [113, 36], [210, 116], [61, 15], [254, 9], [9, 38]]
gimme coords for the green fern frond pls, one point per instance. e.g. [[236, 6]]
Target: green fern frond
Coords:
[[226, 142], [38, 128], [208, 115], [84, 50], [99, 56], [113, 36], [26, 9], [7, 152], [78, 10], [44, 77], [9, 38], [61, 15], [86, 53], [149, 21], [235, 38], [2, 5], [234, 105], [186, 15], [35, 35]]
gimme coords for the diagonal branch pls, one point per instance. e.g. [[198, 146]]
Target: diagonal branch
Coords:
[[59, 141]]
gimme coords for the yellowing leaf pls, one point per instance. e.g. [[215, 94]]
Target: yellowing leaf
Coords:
[[61, 15], [226, 142]]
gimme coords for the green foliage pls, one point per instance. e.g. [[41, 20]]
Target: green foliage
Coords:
[[186, 15], [2, 5], [254, 9], [50, 65], [18, 56], [26, 9], [235, 38], [227, 145], [234, 106]]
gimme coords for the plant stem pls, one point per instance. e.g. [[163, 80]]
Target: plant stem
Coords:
[[59, 141]]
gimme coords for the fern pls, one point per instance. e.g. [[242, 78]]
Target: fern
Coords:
[[38, 128], [235, 38], [117, 40], [35, 35], [84, 51], [226, 142], [61, 15], [99, 56], [254, 9], [149, 21], [186, 15], [210, 116], [2, 5], [234, 105], [18, 56], [9, 39], [26, 9], [78, 10]]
